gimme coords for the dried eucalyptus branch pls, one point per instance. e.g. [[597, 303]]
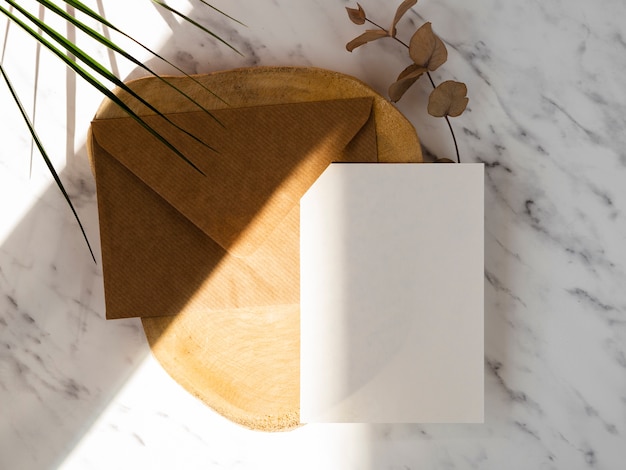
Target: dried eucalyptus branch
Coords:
[[427, 52]]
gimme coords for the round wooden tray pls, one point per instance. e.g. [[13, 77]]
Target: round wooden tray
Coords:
[[245, 364]]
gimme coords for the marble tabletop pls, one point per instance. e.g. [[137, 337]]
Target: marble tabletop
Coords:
[[547, 116]]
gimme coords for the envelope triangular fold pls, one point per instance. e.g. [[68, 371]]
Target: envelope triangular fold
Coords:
[[173, 238]]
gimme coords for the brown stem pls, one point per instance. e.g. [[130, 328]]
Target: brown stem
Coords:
[[456, 147], [432, 82]]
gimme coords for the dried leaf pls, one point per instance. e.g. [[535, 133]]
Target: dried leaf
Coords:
[[426, 49], [448, 99], [405, 6], [357, 15], [444, 160], [404, 81], [367, 36], [439, 56], [422, 45], [410, 71]]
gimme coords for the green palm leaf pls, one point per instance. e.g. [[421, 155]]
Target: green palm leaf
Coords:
[[95, 83], [98, 68], [46, 159], [195, 23], [69, 53], [222, 13], [114, 47], [92, 14]]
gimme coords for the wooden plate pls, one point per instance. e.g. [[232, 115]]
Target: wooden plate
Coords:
[[245, 364]]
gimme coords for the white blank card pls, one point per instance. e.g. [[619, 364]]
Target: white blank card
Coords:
[[392, 294]]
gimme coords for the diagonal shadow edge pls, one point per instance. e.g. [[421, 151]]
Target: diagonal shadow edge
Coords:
[[262, 323], [61, 363]]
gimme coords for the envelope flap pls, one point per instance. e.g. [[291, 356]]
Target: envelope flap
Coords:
[[265, 159]]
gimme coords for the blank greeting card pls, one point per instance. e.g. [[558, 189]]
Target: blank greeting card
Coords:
[[392, 294]]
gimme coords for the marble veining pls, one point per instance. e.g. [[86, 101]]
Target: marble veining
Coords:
[[546, 116]]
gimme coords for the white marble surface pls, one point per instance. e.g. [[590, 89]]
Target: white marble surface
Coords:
[[547, 116]]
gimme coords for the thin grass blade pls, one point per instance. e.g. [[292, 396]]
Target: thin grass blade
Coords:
[[222, 13], [195, 23], [99, 68], [6, 39], [97, 85], [94, 15], [111, 45], [46, 159]]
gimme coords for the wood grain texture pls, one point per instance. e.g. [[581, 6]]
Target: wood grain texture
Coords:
[[245, 363]]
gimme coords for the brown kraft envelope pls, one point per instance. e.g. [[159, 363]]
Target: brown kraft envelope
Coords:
[[176, 240]]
